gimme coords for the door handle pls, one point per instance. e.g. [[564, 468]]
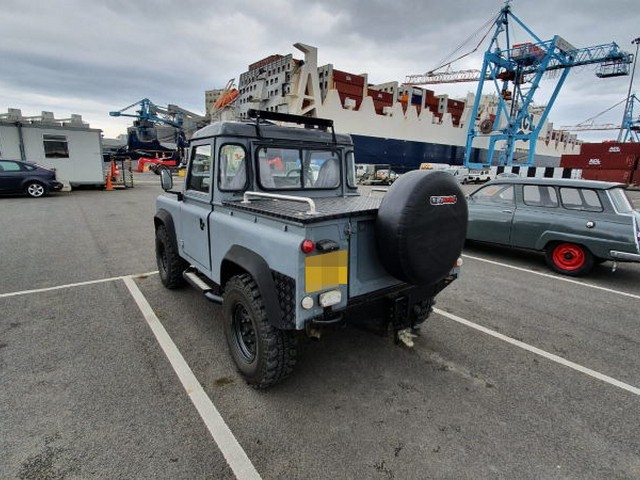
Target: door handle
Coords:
[[507, 211], [201, 224]]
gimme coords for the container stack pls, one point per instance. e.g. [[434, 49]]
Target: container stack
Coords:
[[349, 86], [380, 99], [608, 161]]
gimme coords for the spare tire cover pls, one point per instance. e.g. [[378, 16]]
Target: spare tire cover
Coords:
[[421, 226]]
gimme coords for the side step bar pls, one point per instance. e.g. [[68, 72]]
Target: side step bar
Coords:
[[197, 282]]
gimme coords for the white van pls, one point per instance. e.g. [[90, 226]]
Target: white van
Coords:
[[459, 172], [479, 176]]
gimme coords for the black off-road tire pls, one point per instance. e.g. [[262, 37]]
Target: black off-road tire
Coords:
[[170, 264], [421, 226], [263, 354], [568, 258]]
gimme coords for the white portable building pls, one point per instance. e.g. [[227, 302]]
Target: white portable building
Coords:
[[69, 146]]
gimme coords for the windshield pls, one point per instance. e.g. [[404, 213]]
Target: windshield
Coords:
[[620, 200], [298, 169]]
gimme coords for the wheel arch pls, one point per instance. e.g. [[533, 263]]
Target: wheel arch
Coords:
[[164, 218], [548, 239], [239, 260]]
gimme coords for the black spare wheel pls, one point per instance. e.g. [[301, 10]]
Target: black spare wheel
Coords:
[[421, 226]]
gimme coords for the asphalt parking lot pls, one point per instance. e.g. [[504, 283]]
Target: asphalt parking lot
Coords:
[[520, 373]]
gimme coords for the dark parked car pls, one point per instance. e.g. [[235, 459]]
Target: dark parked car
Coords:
[[23, 177], [576, 223]]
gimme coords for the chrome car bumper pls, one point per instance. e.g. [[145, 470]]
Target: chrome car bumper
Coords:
[[625, 256]]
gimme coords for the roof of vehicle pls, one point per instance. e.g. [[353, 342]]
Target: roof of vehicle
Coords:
[[560, 182], [269, 130]]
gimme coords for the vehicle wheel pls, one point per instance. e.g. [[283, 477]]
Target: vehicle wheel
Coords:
[[170, 264], [569, 259], [421, 227], [35, 190], [158, 169], [263, 354]]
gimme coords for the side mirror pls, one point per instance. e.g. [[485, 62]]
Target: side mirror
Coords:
[[166, 180]]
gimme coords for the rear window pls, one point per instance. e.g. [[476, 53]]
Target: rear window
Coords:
[[282, 168], [620, 200], [580, 199]]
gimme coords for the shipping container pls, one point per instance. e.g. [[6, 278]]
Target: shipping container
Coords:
[[379, 96], [620, 176], [356, 98], [610, 148], [348, 88], [603, 161], [379, 106], [344, 77]]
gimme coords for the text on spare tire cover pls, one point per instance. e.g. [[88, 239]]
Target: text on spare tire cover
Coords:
[[443, 200]]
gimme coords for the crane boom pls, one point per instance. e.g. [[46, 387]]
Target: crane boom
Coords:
[[457, 76], [516, 73], [587, 127]]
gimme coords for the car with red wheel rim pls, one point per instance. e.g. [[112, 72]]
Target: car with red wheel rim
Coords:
[[576, 223]]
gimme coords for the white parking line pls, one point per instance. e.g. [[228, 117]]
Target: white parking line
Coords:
[[542, 353], [222, 435], [71, 285], [555, 277]]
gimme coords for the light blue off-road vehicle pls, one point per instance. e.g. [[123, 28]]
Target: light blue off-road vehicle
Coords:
[[270, 224]]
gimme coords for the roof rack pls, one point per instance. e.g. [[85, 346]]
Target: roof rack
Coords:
[[309, 122]]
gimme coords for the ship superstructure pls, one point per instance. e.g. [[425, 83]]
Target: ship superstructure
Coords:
[[390, 123]]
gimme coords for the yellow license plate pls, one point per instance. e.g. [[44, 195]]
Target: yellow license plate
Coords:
[[325, 271]]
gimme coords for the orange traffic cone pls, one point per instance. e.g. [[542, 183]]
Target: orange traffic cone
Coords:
[[114, 169], [108, 186]]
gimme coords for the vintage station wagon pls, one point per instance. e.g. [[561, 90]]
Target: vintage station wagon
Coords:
[[576, 223]]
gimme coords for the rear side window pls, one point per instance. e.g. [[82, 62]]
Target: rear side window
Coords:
[[351, 170], [540, 196], [495, 194], [580, 199], [199, 178], [232, 172]]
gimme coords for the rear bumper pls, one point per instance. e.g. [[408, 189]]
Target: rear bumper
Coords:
[[56, 186], [625, 256], [402, 307]]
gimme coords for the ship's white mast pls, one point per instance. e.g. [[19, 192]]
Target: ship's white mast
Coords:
[[307, 98]]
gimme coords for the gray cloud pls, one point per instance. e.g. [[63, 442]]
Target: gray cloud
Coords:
[[86, 56]]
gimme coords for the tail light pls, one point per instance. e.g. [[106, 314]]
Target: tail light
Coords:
[[307, 246]]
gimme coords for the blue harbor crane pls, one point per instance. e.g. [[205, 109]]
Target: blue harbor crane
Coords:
[[516, 73], [630, 128], [515, 70], [630, 131]]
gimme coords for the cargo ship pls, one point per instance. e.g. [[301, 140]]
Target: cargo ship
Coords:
[[390, 123]]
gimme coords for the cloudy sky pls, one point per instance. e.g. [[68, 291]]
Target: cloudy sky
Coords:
[[94, 56]]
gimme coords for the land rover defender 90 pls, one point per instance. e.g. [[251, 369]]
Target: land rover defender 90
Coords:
[[270, 224]]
